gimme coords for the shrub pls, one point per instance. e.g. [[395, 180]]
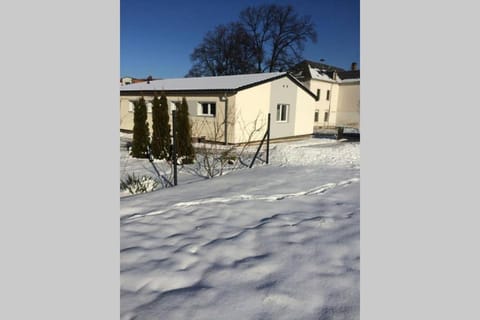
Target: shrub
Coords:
[[134, 184], [183, 130], [141, 138], [161, 128]]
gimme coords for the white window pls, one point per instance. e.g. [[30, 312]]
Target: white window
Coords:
[[149, 107], [282, 112], [131, 106], [207, 109]]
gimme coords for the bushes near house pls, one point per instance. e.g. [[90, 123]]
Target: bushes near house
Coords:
[[140, 141], [160, 145], [183, 130]]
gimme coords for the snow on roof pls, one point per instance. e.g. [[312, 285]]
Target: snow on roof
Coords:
[[342, 76], [317, 74], [203, 83]]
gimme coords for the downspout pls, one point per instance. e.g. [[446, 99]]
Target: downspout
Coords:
[[226, 117]]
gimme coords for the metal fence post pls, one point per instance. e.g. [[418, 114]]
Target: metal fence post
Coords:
[[174, 147], [268, 137]]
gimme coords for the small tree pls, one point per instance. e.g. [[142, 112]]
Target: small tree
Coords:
[[141, 133], [161, 128], [184, 134]]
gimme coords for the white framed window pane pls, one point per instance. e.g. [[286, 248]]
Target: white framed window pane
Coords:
[[282, 112], [204, 108]]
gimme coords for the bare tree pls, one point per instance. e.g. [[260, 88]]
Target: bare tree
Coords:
[[213, 158], [267, 38], [227, 50], [279, 35]]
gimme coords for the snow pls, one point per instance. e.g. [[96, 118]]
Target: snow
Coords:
[[278, 241], [203, 83]]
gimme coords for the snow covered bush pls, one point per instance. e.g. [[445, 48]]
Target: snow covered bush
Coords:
[[134, 184]]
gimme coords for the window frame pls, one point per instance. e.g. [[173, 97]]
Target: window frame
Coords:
[[208, 105], [286, 113]]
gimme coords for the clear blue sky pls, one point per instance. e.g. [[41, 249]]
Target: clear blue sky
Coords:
[[158, 36]]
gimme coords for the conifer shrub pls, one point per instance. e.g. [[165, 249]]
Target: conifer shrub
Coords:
[[183, 130], [140, 141]]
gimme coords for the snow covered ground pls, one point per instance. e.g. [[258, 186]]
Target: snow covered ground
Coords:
[[278, 241]]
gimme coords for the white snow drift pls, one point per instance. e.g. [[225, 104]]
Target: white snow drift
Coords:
[[278, 241]]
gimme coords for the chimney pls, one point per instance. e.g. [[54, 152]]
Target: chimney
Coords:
[[334, 75], [354, 66], [149, 79]]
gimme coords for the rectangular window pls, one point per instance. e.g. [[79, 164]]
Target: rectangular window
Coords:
[[325, 117], [328, 94], [282, 112], [317, 113], [318, 94], [207, 109]]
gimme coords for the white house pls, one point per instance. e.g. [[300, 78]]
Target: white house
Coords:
[[338, 91], [231, 109]]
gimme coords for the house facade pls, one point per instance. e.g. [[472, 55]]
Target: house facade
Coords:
[[338, 92], [230, 109]]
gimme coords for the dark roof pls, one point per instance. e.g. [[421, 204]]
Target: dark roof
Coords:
[[302, 72], [349, 74], [322, 66]]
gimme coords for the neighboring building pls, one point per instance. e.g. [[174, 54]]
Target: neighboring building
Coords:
[[129, 80], [338, 91], [245, 99]]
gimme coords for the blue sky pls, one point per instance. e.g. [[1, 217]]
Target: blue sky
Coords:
[[158, 36]]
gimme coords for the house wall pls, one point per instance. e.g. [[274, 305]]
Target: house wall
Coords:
[[348, 111], [209, 127], [251, 110], [324, 105], [305, 106], [284, 91], [126, 116], [212, 128]]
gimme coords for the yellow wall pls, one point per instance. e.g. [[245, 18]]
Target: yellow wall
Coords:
[[252, 107], [305, 105], [324, 105], [348, 113], [212, 128]]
